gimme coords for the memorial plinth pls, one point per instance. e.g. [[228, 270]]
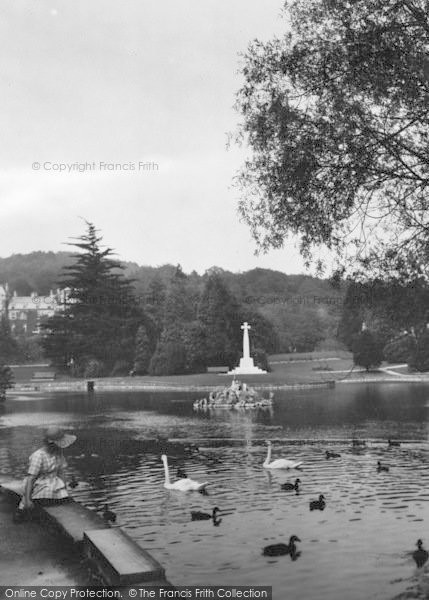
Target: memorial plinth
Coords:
[[246, 366]]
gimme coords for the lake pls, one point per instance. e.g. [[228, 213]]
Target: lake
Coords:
[[359, 547]]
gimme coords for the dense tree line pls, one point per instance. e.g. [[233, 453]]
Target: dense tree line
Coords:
[[178, 323], [304, 310], [174, 328]]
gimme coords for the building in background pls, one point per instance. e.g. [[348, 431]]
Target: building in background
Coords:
[[26, 313]]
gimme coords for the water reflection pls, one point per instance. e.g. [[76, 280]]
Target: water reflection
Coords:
[[358, 546]]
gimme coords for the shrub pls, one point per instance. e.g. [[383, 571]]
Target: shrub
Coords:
[[260, 358], [94, 368], [367, 350]]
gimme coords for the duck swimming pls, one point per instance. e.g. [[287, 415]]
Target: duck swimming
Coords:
[[318, 504], [393, 443], [282, 549], [420, 555], [109, 515], [181, 485], [291, 486], [197, 515], [381, 467], [216, 521], [280, 463], [73, 483], [190, 449], [330, 454]]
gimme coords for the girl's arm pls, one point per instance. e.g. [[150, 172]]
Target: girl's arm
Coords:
[[28, 503], [61, 471], [61, 475]]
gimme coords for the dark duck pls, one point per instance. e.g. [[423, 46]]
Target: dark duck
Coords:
[[191, 449], [282, 549], [330, 454], [197, 515], [109, 515], [393, 443], [73, 483], [420, 555], [291, 486], [381, 468], [318, 504]]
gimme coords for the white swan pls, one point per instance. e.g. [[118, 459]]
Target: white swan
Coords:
[[181, 485], [280, 463]]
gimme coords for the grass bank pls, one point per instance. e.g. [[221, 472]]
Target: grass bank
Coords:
[[288, 370]]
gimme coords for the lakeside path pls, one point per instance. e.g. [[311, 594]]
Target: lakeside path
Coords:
[[30, 555], [284, 375]]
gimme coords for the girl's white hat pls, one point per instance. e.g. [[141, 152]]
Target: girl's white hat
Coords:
[[60, 438]]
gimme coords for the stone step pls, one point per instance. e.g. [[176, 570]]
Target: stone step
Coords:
[[73, 519], [121, 559], [118, 558], [14, 487]]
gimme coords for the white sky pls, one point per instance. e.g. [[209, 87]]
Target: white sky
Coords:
[[128, 81]]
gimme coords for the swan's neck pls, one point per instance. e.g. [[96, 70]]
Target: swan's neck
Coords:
[[268, 459], [166, 471]]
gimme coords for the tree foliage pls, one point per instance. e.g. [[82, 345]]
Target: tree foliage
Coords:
[[6, 380], [9, 347], [419, 360], [209, 334], [170, 354], [336, 114], [169, 357], [367, 350], [101, 316], [143, 352], [387, 307], [400, 349], [218, 313], [155, 304]]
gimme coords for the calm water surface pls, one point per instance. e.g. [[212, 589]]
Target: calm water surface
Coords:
[[359, 547]]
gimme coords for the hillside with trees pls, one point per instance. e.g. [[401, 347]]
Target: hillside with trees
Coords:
[[186, 322], [303, 310]]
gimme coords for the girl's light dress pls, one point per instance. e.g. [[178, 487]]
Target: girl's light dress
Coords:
[[46, 468]]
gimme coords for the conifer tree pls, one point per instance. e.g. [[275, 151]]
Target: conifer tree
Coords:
[[101, 315]]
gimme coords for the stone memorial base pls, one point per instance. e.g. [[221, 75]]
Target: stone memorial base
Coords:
[[247, 367]]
